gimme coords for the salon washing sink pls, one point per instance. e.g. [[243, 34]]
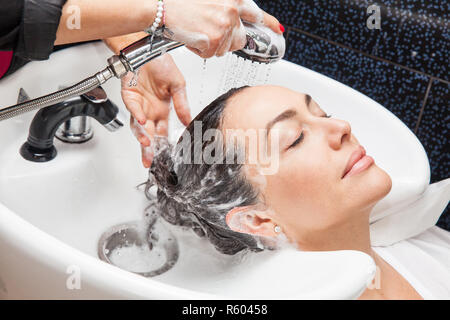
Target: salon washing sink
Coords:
[[53, 214]]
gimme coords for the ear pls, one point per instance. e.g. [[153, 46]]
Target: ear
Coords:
[[251, 220]]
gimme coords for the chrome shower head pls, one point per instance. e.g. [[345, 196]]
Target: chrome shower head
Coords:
[[263, 45]]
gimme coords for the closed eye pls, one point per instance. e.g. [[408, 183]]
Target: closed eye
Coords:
[[297, 141], [300, 138]]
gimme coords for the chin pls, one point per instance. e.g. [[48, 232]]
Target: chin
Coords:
[[380, 184], [385, 180], [371, 187]]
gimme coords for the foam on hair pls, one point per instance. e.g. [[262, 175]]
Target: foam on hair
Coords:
[[198, 196]]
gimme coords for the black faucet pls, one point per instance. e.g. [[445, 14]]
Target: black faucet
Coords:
[[39, 145]]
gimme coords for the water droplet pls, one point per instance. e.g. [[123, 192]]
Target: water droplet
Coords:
[[134, 79]]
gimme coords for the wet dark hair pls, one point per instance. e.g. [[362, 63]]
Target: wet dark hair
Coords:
[[198, 196]]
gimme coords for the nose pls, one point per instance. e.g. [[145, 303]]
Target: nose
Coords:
[[338, 131]]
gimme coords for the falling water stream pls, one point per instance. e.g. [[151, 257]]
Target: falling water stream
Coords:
[[238, 72]]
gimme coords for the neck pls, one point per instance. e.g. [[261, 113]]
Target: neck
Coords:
[[353, 234]]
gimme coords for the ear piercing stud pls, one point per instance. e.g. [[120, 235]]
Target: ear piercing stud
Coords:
[[277, 229]]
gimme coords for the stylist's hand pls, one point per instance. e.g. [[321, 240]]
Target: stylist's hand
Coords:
[[158, 82], [213, 27]]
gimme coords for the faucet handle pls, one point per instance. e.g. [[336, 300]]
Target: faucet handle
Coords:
[[79, 129], [97, 95]]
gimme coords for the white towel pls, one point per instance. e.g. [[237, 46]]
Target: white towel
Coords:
[[410, 218]]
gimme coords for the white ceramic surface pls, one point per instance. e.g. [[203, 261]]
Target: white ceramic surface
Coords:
[[52, 214]]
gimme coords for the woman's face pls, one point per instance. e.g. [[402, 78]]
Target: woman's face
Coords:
[[323, 178]]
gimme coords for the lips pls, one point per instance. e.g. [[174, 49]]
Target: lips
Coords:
[[357, 163]]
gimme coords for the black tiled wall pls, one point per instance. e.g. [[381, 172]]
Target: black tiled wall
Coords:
[[404, 65]]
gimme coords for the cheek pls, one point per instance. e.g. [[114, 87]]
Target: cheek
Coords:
[[302, 192], [308, 177]]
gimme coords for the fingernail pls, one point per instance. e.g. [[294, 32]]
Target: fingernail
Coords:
[[282, 29], [142, 122]]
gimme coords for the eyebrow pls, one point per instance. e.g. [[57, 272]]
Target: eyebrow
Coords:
[[281, 117]]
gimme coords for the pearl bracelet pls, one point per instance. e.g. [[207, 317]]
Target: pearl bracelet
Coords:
[[159, 16]]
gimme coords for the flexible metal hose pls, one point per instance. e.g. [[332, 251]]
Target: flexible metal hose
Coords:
[[59, 96]]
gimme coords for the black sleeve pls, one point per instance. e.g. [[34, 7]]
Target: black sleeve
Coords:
[[28, 27], [10, 16]]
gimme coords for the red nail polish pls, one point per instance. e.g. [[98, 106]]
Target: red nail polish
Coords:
[[282, 28]]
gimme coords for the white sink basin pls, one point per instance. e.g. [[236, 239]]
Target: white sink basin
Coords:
[[53, 214]]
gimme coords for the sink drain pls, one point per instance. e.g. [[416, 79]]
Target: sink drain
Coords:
[[149, 253]]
